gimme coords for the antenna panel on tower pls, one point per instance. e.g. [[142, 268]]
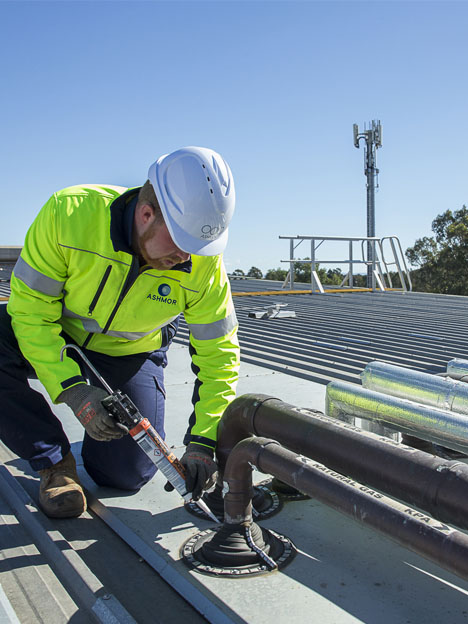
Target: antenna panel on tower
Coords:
[[355, 135]]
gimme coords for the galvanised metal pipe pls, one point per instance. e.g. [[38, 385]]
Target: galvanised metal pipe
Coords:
[[442, 427], [439, 543], [437, 485], [441, 392]]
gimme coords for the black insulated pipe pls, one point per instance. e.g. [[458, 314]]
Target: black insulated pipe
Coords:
[[439, 543], [238, 487], [240, 541], [436, 485]]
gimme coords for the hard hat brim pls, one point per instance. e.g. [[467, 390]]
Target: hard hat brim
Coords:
[[193, 245]]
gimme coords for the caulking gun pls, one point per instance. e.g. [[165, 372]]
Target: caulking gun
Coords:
[[125, 412]]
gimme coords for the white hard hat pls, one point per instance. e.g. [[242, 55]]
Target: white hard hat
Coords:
[[195, 190]]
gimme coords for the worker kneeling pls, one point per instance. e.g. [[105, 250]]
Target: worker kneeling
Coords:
[[110, 269]]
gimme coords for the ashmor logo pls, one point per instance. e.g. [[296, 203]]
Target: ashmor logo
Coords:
[[162, 296], [211, 231], [164, 290]]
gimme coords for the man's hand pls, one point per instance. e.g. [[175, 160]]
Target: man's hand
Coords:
[[85, 401], [201, 469]]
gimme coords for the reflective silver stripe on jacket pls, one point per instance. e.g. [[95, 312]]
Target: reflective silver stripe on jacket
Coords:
[[217, 329], [36, 280], [92, 326], [89, 324]]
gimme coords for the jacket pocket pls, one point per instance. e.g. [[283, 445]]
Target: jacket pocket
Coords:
[[93, 303]]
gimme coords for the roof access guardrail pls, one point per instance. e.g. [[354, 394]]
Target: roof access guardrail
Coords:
[[386, 252]]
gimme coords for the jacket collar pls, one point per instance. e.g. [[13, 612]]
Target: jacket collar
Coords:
[[122, 210]]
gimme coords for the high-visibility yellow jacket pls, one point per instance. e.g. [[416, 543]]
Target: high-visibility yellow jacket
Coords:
[[77, 273]]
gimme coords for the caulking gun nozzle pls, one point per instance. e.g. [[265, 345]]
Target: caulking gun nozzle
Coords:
[[204, 507]]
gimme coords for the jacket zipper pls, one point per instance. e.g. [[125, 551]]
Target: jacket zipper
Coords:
[[131, 277], [99, 290]]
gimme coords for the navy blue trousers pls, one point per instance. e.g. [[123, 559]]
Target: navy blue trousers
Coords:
[[29, 428]]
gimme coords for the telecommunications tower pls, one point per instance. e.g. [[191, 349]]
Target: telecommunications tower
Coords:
[[373, 140]]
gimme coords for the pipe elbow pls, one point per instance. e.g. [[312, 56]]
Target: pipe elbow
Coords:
[[245, 455], [237, 483], [237, 423]]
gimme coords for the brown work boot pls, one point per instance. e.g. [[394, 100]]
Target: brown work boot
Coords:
[[60, 491]]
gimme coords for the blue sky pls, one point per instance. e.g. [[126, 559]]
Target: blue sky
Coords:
[[95, 91]]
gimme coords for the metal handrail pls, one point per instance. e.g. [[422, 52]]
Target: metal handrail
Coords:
[[401, 273], [381, 280]]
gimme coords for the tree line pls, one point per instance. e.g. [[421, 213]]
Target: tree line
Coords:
[[439, 262], [302, 274]]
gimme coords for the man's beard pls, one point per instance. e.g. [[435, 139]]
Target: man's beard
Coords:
[[138, 245]]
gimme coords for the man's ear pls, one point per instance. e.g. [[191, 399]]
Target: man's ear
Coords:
[[144, 213]]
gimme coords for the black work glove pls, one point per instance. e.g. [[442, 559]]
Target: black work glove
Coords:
[[85, 401], [200, 470]]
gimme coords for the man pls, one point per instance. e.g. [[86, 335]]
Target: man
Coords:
[[111, 269]]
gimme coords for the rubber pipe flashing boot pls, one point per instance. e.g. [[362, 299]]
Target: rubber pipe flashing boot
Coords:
[[60, 492], [244, 549], [287, 491], [265, 503], [215, 501], [230, 546]]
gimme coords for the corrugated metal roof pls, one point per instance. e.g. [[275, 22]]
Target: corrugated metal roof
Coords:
[[5, 273], [334, 336]]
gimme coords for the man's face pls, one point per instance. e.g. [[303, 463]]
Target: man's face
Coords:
[[157, 248]]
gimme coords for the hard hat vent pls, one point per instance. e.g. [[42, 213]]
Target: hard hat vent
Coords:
[[224, 179]]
